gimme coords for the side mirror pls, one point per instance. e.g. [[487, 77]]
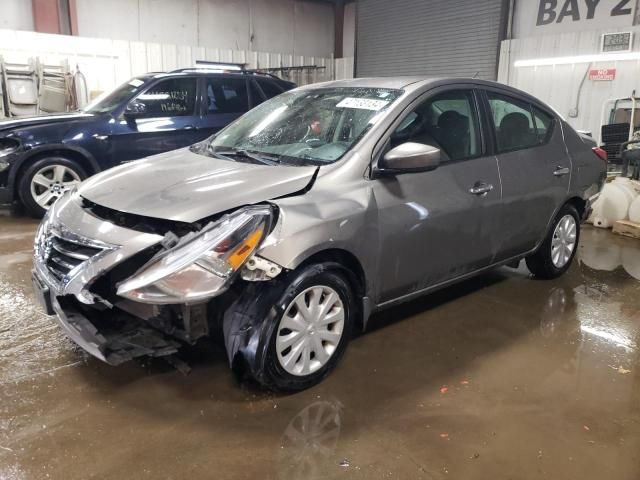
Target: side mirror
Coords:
[[135, 109], [410, 157]]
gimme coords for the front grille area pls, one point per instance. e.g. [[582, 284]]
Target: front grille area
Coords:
[[65, 255]]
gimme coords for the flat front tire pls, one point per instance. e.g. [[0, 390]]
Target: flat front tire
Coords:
[[46, 180], [555, 254]]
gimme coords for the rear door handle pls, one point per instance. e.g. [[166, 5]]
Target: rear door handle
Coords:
[[481, 188], [188, 127], [560, 171]]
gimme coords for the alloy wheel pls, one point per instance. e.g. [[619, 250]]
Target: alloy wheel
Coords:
[[310, 330], [564, 241], [50, 182]]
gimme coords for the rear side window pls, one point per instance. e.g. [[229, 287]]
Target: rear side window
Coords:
[[518, 124], [169, 98], [269, 88], [513, 122], [227, 95]]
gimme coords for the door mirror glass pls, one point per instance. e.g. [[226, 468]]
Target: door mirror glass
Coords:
[[410, 157]]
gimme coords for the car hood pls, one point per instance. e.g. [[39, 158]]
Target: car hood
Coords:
[[185, 186], [23, 122]]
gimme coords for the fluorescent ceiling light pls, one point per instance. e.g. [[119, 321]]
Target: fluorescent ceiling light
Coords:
[[602, 57]]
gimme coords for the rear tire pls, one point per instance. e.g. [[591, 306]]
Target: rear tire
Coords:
[[43, 182], [556, 253]]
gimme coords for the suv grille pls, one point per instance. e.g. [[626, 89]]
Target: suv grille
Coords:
[[65, 255]]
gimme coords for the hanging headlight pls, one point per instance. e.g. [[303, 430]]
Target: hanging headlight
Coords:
[[200, 265]]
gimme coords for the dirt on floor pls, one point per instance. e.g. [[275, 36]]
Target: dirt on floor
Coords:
[[499, 377]]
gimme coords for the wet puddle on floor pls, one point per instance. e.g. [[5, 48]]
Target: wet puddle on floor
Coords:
[[499, 377]]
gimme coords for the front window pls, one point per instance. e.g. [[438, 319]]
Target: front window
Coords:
[[172, 97], [113, 99], [305, 127], [448, 121]]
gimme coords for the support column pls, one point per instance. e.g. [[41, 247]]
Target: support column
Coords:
[[339, 29], [55, 16]]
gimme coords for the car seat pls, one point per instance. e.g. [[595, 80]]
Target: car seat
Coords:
[[514, 131], [453, 133]]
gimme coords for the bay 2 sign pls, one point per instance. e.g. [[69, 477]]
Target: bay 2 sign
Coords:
[[605, 12], [602, 74]]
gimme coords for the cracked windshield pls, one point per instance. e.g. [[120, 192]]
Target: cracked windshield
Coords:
[[308, 127]]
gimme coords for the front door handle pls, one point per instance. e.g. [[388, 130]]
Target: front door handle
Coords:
[[560, 171], [188, 127], [481, 188]]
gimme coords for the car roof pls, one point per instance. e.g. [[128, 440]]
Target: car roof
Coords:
[[416, 82], [207, 72]]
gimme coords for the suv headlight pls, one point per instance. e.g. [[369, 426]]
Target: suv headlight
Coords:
[[202, 264]]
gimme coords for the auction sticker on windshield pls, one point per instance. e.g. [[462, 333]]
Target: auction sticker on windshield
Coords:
[[363, 103]]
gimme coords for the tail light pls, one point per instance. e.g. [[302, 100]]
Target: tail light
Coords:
[[601, 153]]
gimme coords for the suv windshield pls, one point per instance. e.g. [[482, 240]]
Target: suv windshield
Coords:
[[305, 127], [110, 100]]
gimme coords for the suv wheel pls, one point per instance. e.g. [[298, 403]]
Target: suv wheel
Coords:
[[45, 181], [554, 256]]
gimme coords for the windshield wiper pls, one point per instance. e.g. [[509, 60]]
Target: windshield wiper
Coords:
[[241, 152]]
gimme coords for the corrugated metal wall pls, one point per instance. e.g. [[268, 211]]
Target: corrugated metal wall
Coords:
[[563, 85], [434, 37], [107, 63]]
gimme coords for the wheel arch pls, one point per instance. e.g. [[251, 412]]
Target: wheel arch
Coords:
[[579, 204], [576, 202], [353, 270], [79, 155]]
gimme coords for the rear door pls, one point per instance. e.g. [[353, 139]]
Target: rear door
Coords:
[[225, 99], [168, 119], [438, 225], [534, 168]]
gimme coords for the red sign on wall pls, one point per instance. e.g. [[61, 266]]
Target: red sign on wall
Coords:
[[602, 74]]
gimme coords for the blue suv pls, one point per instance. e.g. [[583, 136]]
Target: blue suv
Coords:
[[43, 156]]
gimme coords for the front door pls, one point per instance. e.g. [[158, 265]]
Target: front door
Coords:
[[167, 119], [438, 225], [534, 168]]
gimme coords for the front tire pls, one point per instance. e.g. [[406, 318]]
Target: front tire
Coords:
[[556, 253], [312, 325], [46, 180]]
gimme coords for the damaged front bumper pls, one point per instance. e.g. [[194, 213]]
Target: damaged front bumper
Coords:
[[75, 278], [113, 337], [67, 265]]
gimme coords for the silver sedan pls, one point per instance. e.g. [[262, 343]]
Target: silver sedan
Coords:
[[289, 227]]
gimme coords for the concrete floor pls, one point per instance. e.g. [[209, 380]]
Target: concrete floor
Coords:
[[499, 377]]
